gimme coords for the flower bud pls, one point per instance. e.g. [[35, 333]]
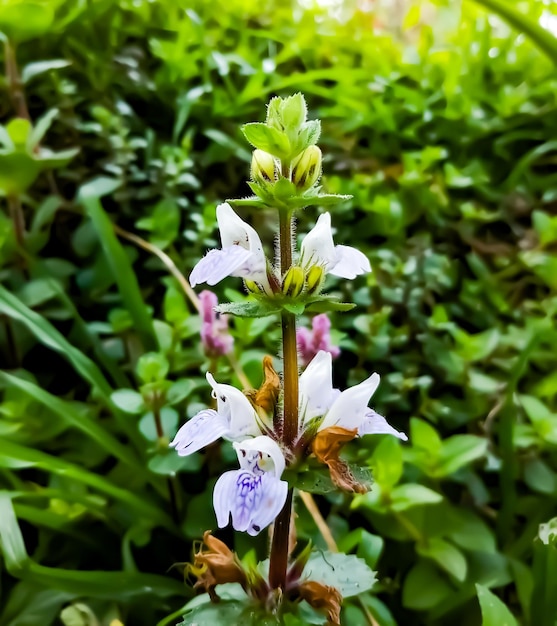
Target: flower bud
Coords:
[[293, 282], [314, 278], [262, 167], [252, 286], [307, 168]]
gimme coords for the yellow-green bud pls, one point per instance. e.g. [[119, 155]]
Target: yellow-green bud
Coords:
[[293, 282], [252, 286], [306, 169], [262, 167], [314, 278]]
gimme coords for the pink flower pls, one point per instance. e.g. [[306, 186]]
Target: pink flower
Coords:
[[215, 337], [310, 342]]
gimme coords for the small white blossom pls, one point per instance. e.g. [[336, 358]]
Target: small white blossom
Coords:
[[318, 248], [254, 494], [347, 409], [234, 419], [241, 253]]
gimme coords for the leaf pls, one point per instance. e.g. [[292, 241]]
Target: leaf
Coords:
[[11, 539], [50, 337], [120, 265], [494, 612], [267, 138], [410, 495], [78, 420], [425, 587], [248, 309], [128, 400], [22, 21], [138, 504], [295, 308], [346, 572], [324, 306], [40, 67], [447, 556], [40, 129]]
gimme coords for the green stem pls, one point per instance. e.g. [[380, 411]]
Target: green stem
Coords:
[[279, 548], [18, 220], [541, 37]]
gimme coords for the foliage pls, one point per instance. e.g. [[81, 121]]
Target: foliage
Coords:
[[441, 127]]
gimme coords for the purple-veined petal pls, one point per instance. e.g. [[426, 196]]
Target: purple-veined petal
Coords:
[[350, 407], [252, 500], [349, 263], [233, 405], [316, 388], [218, 264], [201, 430], [260, 455], [375, 424]]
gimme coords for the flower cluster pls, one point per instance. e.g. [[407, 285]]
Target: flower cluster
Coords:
[[253, 495], [292, 418]]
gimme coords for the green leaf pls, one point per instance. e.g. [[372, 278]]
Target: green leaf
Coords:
[[425, 587], [139, 504], [387, 463], [324, 306], [410, 495], [128, 400], [447, 556], [50, 337], [267, 138], [248, 309], [77, 419], [22, 21], [494, 612], [120, 265], [40, 67], [295, 308], [11, 539], [346, 572]]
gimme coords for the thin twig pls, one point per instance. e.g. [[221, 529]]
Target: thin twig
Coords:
[[183, 282]]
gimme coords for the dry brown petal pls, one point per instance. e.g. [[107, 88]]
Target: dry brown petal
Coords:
[[327, 446], [266, 397], [217, 566], [321, 596]]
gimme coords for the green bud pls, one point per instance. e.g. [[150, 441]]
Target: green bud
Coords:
[[314, 278], [307, 168], [262, 167], [252, 286], [293, 282]]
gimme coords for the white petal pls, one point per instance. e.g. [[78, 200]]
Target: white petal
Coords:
[[350, 407], [252, 500], [201, 430], [317, 246], [349, 263], [234, 232], [316, 388], [219, 264], [260, 454], [375, 424], [233, 405]]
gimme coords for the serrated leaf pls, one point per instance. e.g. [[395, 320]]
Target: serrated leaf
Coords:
[[267, 138], [247, 309], [346, 572], [323, 306]]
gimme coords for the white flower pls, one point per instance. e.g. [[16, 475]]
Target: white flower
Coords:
[[254, 494], [241, 254], [234, 419], [319, 249], [322, 404]]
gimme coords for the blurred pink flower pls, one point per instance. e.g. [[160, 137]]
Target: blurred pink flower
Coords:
[[215, 337], [310, 342]]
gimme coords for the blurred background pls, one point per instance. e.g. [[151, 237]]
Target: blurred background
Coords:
[[440, 119]]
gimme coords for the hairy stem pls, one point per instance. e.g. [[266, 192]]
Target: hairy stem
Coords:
[[15, 85], [281, 534]]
